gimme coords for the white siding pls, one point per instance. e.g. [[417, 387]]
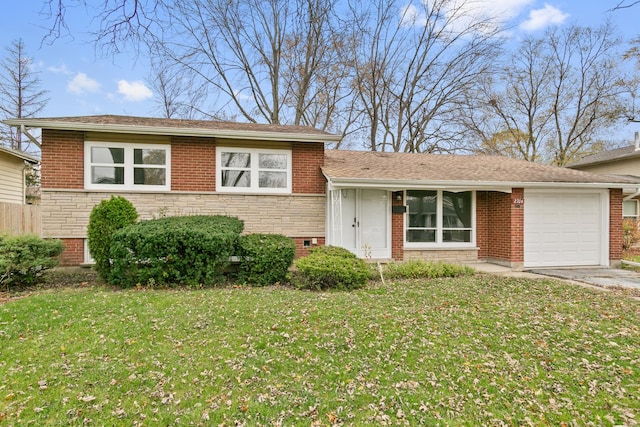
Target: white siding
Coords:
[[11, 179]]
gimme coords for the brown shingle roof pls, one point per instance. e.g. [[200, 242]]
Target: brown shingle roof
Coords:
[[110, 123], [607, 156], [376, 166]]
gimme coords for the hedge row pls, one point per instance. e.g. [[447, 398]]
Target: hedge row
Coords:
[[192, 250]]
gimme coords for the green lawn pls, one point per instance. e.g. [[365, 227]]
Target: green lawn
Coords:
[[474, 351]]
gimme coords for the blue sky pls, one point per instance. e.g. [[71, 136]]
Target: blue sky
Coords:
[[82, 82]]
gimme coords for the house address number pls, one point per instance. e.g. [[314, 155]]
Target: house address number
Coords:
[[518, 201]]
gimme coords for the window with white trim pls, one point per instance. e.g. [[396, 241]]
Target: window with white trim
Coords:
[[126, 166], [253, 170], [436, 217], [630, 209]]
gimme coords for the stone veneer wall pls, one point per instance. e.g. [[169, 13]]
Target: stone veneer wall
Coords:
[[445, 255], [65, 213]]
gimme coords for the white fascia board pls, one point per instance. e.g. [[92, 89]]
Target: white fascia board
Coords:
[[501, 186], [153, 130]]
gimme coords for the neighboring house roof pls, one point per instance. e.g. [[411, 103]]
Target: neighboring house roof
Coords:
[[19, 154], [158, 126], [395, 170], [607, 156]]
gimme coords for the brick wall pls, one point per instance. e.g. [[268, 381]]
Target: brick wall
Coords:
[[307, 159], [62, 159], [615, 226], [73, 252], [500, 226], [397, 231], [482, 224], [301, 250], [193, 164], [517, 228]]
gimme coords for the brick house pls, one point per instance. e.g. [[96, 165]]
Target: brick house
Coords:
[[280, 179]]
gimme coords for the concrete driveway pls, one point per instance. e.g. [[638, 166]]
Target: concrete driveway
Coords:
[[604, 277]]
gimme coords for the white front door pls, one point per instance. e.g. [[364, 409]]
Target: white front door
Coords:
[[365, 228]]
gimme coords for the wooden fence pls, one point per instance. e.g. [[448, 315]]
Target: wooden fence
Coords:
[[20, 219]]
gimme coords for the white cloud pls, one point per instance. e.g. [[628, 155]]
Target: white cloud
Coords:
[[463, 14], [82, 83], [501, 9], [410, 15], [540, 18], [134, 91], [62, 69]]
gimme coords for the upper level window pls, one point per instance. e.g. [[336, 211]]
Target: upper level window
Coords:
[[439, 217], [123, 166], [253, 170]]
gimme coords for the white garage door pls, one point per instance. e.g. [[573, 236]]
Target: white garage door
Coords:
[[564, 229]]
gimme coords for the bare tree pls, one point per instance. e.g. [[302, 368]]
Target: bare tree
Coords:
[[624, 4], [510, 113], [20, 93], [269, 61], [555, 98], [586, 86], [177, 97], [414, 66]]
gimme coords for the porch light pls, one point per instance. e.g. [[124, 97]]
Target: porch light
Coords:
[[398, 196]]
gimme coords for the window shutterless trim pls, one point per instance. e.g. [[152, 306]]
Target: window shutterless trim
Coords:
[[254, 169], [439, 228], [128, 166]]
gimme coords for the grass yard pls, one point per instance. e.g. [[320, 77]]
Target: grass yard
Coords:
[[473, 351]]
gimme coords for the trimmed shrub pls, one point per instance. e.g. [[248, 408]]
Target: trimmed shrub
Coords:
[[416, 269], [330, 268], [25, 258], [332, 251], [106, 218], [265, 258], [189, 250]]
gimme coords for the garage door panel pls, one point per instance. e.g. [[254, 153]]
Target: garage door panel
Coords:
[[562, 229]]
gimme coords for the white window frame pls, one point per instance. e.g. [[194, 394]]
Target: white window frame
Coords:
[[439, 224], [128, 166], [635, 217], [88, 259], [254, 169]]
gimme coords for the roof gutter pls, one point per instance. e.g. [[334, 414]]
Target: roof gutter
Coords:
[[153, 130], [466, 185]]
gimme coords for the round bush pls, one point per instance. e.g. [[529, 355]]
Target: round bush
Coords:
[[330, 268], [265, 258], [106, 218], [25, 258]]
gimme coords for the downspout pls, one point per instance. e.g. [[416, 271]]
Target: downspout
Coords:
[[24, 131]]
